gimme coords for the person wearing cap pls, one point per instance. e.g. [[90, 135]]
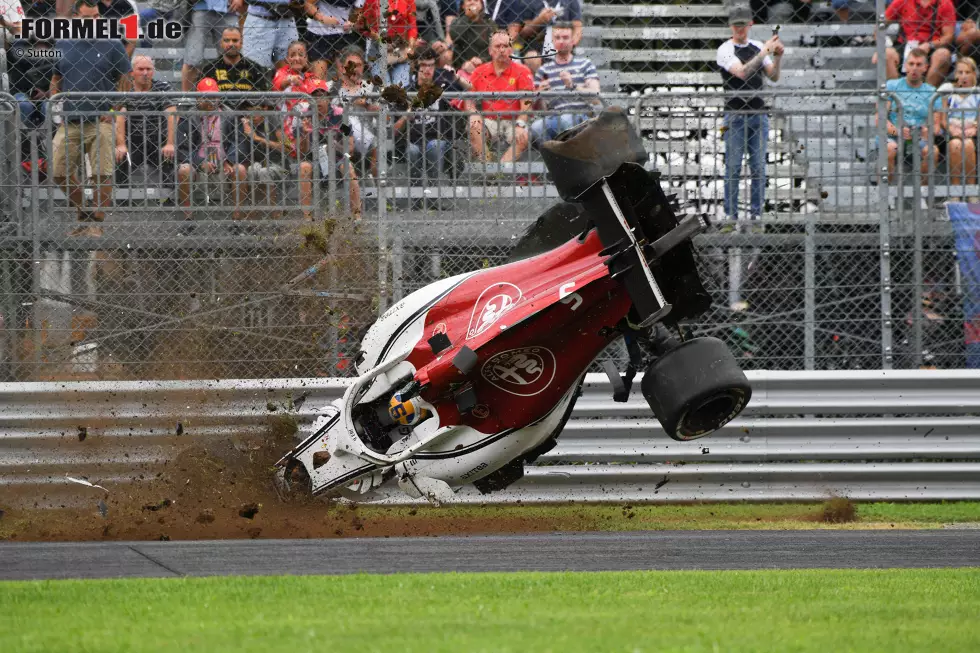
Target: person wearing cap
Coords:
[[209, 143], [745, 64], [307, 142], [88, 126]]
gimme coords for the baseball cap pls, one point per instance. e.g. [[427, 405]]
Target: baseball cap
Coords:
[[740, 15], [207, 85], [314, 85]]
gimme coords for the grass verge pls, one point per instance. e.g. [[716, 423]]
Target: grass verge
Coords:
[[713, 516], [813, 610]]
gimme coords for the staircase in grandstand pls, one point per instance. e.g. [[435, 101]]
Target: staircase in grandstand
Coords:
[[822, 132]]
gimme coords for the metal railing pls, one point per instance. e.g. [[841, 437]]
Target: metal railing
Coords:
[[831, 276], [888, 435]]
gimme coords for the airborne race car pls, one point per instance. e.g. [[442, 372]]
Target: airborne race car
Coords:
[[470, 378]]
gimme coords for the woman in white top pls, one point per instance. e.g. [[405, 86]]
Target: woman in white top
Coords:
[[959, 119], [328, 32]]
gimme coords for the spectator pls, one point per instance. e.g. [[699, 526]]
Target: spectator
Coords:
[[149, 133], [540, 16], [781, 11], [533, 60], [211, 144], [569, 73], [328, 32], [744, 66], [87, 128], [30, 80], [959, 120], [402, 34], [296, 72], [298, 133], [914, 94], [430, 132], [449, 10], [351, 92], [11, 14], [209, 20], [166, 9], [232, 70], [505, 119], [433, 9], [926, 25], [471, 32], [270, 26], [268, 163], [119, 9]]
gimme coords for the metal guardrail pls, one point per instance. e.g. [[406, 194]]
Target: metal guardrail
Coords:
[[885, 435]]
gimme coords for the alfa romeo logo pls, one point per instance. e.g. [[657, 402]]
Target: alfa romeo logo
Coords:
[[523, 372], [490, 306]]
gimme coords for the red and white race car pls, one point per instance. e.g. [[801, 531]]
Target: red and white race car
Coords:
[[470, 378]]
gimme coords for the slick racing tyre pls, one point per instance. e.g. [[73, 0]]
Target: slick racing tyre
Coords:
[[696, 388]]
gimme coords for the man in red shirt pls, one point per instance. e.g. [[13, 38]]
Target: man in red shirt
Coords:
[[504, 119], [927, 25]]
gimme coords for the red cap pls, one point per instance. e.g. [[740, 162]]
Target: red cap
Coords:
[[207, 85], [315, 84]]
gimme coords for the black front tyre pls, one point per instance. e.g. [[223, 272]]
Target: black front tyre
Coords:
[[696, 388]]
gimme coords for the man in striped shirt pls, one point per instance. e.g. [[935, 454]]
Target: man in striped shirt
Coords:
[[566, 72]]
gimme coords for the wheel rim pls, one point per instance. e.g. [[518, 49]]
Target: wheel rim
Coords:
[[711, 413]]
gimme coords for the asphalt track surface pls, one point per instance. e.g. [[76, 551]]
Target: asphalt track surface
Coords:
[[668, 550]]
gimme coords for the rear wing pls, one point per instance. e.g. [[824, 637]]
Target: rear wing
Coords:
[[599, 165]]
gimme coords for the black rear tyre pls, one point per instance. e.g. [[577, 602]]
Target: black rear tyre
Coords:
[[696, 388]]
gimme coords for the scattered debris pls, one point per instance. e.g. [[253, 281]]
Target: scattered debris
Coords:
[[153, 507], [82, 433], [180, 428], [81, 481], [271, 407], [839, 510], [662, 483], [164, 537], [205, 517], [103, 509], [249, 510], [254, 532], [2, 513]]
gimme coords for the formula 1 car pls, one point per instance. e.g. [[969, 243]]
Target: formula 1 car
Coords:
[[470, 378]]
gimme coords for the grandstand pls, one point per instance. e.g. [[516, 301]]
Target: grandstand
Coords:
[[822, 134], [657, 60]]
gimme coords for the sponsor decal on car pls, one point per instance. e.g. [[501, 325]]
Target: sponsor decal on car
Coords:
[[480, 411], [492, 304], [523, 372]]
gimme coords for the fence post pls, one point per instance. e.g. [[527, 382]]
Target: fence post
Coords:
[[917, 216], [883, 188], [36, 242]]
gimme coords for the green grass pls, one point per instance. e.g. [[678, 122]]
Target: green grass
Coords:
[[714, 516], [880, 610]]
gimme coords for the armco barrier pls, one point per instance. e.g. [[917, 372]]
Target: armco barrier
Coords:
[[888, 435]]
